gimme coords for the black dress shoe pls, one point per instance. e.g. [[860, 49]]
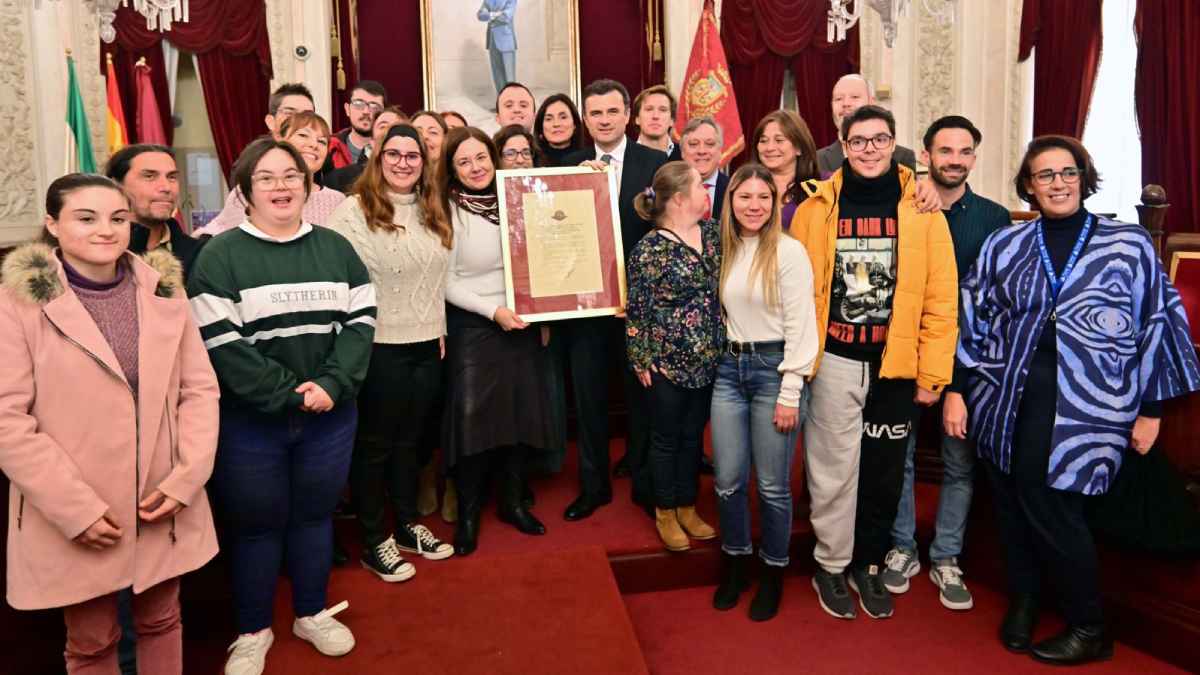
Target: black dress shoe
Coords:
[[1017, 630], [1075, 645], [522, 519], [706, 465], [621, 468], [584, 506]]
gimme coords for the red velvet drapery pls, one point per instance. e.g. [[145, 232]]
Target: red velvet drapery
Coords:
[[233, 48], [123, 62], [1168, 104], [389, 45], [764, 38], [612, 44], [1068, 36]]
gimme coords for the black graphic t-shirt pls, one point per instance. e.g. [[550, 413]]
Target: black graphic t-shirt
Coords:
[[864, 268]]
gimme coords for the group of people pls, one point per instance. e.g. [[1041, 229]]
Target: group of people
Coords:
[[345, 314]]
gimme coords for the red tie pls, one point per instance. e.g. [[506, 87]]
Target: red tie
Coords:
[[708, 211]]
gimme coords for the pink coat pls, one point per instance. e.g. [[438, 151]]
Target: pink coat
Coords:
[[74, 446]]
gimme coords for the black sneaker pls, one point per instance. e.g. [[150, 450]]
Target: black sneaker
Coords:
[[874, 597], [385, 561], [418, 539], [832, 593]]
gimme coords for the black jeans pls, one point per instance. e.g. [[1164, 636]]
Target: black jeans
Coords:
[[399, 394], [887, 422], [678, 415], [637, 443], [590, 347]]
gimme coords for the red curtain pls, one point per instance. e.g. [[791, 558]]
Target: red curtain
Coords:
[[763, 38], [1168, 104], [612, 44], [1068, 35], [389, 44], [349, 69], [234, 52], [123, 62]]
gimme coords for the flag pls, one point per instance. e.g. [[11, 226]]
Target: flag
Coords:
[[118, 133], [148, 121], [707, 89], [79, 137]]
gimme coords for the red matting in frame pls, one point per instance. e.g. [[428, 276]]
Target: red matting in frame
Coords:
[[513, 187]]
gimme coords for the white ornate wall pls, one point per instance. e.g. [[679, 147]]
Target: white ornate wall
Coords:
[[292, 23]]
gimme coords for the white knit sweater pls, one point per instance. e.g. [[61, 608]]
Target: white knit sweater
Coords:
[[407, 267]]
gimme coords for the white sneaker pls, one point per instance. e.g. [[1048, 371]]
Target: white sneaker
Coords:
[[330, 636], [248, 653]]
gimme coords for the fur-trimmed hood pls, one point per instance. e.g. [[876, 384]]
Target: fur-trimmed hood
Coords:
[[33, 273]]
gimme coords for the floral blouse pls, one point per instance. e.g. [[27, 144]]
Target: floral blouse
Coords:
[[673, 319]]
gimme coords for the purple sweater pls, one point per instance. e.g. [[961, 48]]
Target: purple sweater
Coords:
[[113, 307]]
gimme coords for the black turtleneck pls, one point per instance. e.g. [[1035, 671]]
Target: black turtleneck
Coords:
[[864, 278], [1061, 235], [555, 157]]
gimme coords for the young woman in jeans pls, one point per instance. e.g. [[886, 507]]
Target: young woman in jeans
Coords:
[[108, 428], [673, 339], [767, 293], [287, 311]]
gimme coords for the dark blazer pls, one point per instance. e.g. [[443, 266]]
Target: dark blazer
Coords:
[[719, 193], [637, 174], [829, 158], [183, 245], [341, 179]]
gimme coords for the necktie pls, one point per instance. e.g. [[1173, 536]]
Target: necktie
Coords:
[[606, 158], [708, 211]]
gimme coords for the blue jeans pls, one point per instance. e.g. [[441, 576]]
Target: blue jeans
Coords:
[[743, 431], [277, 479], [954, 502]]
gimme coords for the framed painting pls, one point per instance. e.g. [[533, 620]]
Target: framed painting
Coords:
[[472, 48], [560, 233]]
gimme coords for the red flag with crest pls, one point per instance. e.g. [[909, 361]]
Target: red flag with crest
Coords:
[[707, 89]]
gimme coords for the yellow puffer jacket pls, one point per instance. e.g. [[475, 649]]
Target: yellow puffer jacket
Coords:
[[923, 331]]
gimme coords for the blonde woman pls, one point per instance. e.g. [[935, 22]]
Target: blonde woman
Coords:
[[766, 287]]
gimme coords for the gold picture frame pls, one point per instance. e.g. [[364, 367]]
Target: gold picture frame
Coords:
[[552, 40], [513, 186]]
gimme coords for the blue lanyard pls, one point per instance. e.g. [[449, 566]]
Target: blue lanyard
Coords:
[[1056, 282]]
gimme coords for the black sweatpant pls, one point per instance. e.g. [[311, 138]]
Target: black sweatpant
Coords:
[[400, 392], [887, 422], [677, 415]]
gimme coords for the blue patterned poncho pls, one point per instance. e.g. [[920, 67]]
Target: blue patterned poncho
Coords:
[[1122, 339]]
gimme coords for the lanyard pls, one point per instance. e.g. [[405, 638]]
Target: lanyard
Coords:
[[1056, 282]]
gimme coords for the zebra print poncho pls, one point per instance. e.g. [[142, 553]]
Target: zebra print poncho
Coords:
[[1122, 339]]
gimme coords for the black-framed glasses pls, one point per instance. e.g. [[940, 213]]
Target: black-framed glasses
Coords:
[[513, 153], [1070, 174], [395, 157], [359, 104], [878, 141]]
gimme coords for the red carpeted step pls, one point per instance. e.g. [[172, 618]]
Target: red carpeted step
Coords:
[[678, 630], [522, 614]]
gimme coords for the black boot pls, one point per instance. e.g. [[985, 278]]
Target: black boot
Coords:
[[527, 498], [512, 509], [1075, 645], [1017, 630], [466, 533], [770, 589], [733, 581]]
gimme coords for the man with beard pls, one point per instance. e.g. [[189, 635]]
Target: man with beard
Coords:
[[950, 145], [151, 180], [367, 100]]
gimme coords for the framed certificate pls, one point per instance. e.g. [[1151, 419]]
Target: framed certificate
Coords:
[[561, 239]]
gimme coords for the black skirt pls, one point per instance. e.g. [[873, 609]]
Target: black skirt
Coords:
[[496, 388]]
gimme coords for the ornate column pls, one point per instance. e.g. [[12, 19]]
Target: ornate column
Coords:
[[300, 47]]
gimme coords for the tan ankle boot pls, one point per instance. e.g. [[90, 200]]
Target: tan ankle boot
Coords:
[[690, 521], [450, 502], [669, 531], [427, 501]]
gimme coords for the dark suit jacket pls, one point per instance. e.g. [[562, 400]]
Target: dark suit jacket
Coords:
[[830, 157], [637, 174], [183, 245], [341, 179], [719, 193]]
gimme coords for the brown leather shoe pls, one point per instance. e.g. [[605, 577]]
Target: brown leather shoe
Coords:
[[691, 523], [427, 501], [669, 531], [450, 502]]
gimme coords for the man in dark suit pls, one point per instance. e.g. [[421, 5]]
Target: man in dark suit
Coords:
[[700, 146], [593, 345], [849, 94], [151, 179]]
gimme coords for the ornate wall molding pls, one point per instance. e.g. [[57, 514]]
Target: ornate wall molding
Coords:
[[279, 28], [18, 173], [1016, 87], [936, 81]]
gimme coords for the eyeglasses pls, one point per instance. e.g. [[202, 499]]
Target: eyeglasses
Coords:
[[1070, 174], [397, 157], [511, 154], [266, 181], [879, 142], [359, 104]]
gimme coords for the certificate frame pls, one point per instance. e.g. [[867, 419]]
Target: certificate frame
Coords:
[[512, 186]]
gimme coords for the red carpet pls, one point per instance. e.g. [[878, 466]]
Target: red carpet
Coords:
[[681, 634]]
